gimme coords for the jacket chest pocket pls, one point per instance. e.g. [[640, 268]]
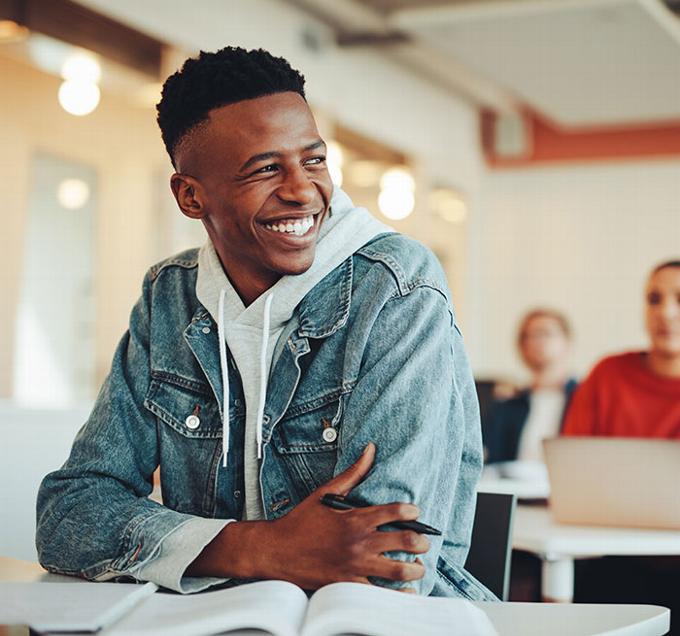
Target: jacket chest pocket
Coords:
[[306, 439], [189, 428], [187, 408]]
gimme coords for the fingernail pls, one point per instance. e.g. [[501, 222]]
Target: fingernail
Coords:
[[367, 447]]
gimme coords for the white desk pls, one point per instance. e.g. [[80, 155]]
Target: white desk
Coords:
[[557, 545], [509, 619]]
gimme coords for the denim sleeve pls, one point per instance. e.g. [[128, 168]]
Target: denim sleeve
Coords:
[[94, 517], [415, 399]]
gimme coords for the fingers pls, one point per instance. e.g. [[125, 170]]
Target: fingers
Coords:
[[403, 541], [393, 570], [345, 481], [410, 590], [379, 515]]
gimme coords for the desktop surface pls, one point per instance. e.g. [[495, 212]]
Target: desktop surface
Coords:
[[509, 619]]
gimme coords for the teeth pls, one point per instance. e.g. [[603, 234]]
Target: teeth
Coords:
[[299, 227]]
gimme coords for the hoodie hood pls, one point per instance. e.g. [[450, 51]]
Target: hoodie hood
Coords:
[[251, 332]]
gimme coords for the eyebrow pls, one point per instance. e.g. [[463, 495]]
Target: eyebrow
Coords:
[[272, 154]]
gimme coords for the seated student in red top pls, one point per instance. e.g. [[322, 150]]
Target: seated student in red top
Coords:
[[638, 394], [635, 395]]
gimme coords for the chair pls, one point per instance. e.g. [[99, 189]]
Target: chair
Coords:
[[490, 545]]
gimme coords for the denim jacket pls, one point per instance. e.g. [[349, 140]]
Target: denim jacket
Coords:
[[372, 351]]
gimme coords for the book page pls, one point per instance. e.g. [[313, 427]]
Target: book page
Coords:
[[275, 607], [353, 608], [75, 606]]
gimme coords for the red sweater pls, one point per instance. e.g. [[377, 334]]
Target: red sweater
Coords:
[[622, 397]]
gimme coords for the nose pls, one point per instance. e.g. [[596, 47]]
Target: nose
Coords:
[[670, 307], [297, 188]]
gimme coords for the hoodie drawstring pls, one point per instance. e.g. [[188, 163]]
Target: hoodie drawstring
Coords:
[[225, 379], [266, 319]]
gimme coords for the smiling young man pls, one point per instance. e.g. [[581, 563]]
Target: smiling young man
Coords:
[[304, 349]]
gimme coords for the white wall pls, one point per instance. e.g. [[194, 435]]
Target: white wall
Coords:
[[122, 145], [581, 238]]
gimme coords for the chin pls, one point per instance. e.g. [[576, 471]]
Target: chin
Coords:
[[666, 350], [296, 271], [294, 266]]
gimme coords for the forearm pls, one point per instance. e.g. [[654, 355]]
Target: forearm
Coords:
[[314, 545], [241, 550]]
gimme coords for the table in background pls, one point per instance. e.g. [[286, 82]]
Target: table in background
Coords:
[[509, 619], [557, 545]]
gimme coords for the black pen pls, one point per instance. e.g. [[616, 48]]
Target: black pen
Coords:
[[340, 502]]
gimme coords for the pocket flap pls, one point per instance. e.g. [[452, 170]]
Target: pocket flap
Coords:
[[190, 412], [310, 428]]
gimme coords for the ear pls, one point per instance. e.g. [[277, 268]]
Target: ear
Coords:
[[188, 194]]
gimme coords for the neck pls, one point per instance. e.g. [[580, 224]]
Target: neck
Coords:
[[667, 365], [249, 282], [551, 377], [252, 290]]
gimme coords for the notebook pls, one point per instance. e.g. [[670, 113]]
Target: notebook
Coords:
[[614, 481], [281, 609]]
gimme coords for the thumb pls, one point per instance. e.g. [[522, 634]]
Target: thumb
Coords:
[[346, 480]]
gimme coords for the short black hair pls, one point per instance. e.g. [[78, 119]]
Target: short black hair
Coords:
[[543, 312], [660, 266], [217, 79]]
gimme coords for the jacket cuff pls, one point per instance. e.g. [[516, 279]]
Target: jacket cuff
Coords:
[[176, 551]]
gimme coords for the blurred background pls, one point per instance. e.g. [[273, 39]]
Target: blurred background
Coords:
[[534, 145]]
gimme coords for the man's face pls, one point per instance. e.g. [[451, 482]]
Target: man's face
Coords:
[[543, 342], [663, 311], [263, 187]]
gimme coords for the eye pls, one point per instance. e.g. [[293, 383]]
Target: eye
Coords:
[[315, 161], [272, 167], [653, 298]]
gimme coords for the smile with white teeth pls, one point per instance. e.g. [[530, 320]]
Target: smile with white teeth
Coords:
[[298, 227]]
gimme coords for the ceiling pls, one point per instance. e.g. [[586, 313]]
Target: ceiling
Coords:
[[578, 63]]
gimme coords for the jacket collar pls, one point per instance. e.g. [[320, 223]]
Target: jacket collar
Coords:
[[325, 308]]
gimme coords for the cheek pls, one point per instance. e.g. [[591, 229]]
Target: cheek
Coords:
[[653, 314], [325, 184]]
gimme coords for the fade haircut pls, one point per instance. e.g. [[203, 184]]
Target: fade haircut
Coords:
[[217, 79]]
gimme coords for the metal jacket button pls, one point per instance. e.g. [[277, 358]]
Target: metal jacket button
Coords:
[[192, 422], [329, 434]]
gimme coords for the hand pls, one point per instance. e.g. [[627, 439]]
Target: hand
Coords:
[[314, 545]]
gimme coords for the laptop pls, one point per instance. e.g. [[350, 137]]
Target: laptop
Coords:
[[614, 481]]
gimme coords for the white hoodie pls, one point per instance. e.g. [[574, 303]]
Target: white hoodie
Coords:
[[251, 332]]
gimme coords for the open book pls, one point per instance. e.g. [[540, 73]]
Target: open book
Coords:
[[274, 607], [283, 609]]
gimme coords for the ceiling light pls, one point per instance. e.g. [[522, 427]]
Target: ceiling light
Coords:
[[396, 199], [81, 67], [396, 204], [73, 194], [397, 179], [78, 97]]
